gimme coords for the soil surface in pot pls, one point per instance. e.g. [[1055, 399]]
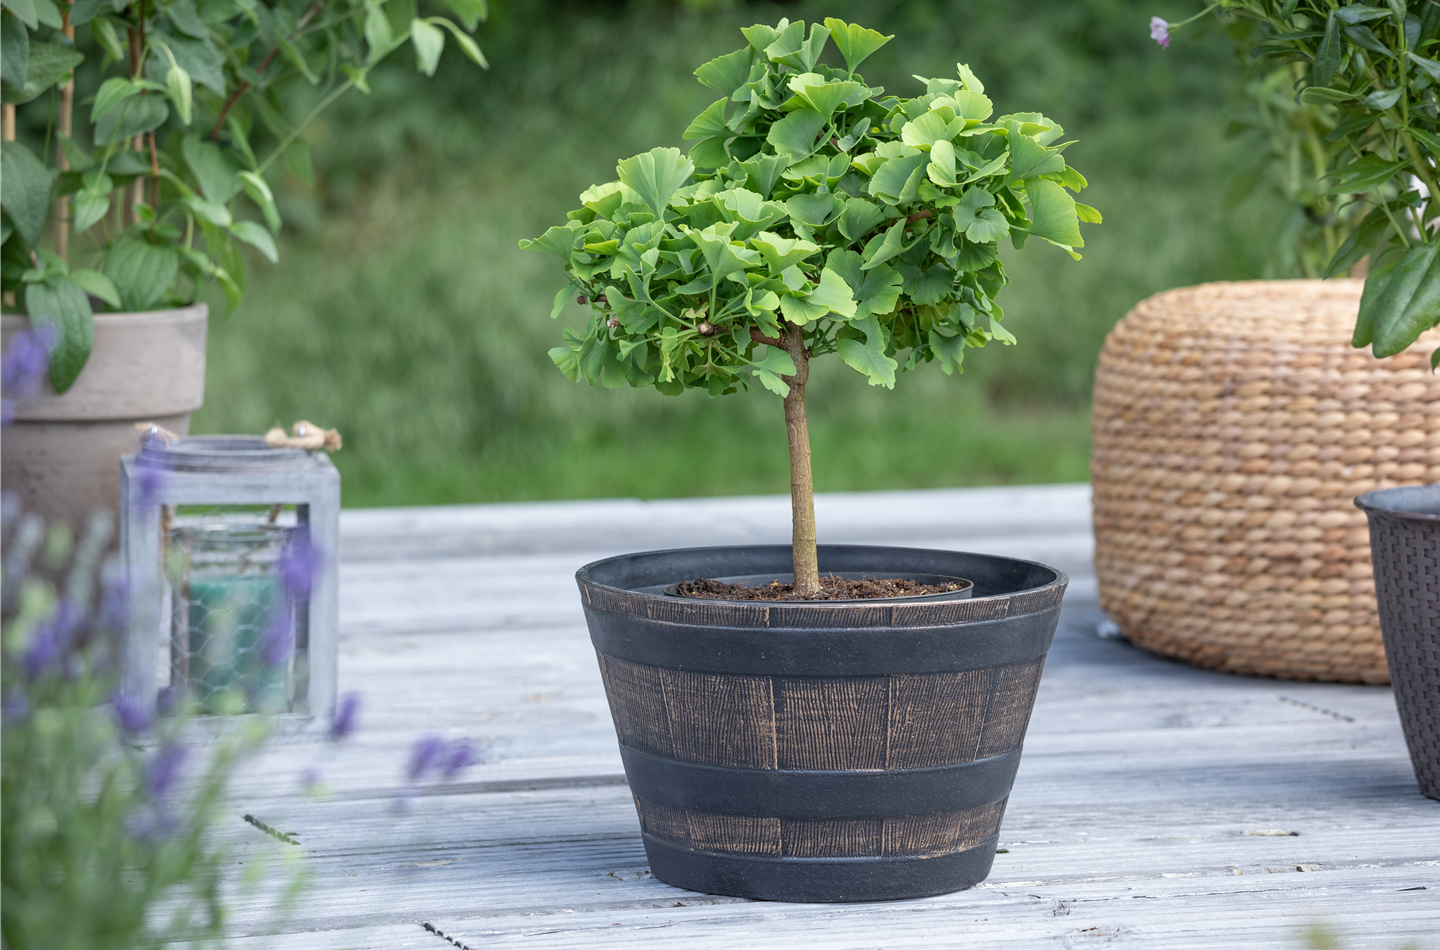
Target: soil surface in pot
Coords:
[[832, 588]]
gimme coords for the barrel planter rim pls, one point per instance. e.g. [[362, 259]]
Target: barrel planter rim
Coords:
[[906, 803], [586, 575]]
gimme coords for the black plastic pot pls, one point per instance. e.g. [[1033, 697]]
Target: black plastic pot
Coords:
[[802, 751], [1405, 549]]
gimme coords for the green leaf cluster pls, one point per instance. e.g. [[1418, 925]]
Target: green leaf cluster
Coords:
[[813, 200], [1378, 67], [161, 181]]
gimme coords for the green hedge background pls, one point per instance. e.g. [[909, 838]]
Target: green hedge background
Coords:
[[403, 313]]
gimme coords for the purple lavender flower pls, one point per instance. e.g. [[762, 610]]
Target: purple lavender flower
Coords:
[[428, 753], [299, 565], [150, 484], [23, 367], [112, 613], [130, 713], [1160, 31], [345, 717], [276, 641], [43, 651], [163, 769], [461, 755]]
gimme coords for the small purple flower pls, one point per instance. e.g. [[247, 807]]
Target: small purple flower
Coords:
[[299, 565], [309, 780], [113, 611], [1160, 31], [130, 713], [23, 367], [345, 717], [276, 641], [428, 753], [163, 769], [43, 651], [461, 755], [149, 484]]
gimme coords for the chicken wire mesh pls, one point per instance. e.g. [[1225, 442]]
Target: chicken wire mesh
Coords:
[[237, 635]]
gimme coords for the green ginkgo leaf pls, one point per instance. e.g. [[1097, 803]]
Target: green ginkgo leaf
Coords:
[[855, 43], [656, 175], [831, 295], [796, 133], [781, 252], [869, 358], [1053, 214]]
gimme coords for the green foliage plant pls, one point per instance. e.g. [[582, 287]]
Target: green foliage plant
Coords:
[[814, 215], [200, 103], [1290, 149], [1378, 67]]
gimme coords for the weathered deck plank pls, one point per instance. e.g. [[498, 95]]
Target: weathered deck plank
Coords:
[[1139, 779]]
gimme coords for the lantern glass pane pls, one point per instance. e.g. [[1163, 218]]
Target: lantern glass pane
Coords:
[[232, 623]]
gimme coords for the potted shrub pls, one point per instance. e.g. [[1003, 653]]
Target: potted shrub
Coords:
[[1376, 67], [149, 197], [815, 746]]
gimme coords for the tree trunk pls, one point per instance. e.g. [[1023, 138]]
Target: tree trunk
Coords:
[[802, 484]]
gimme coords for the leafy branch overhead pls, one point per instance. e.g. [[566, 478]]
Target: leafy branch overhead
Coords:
[[1377, 66], [169, 168], [810, 200]]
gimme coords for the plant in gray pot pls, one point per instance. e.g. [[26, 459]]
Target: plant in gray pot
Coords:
[[190, 111], [811, 744]]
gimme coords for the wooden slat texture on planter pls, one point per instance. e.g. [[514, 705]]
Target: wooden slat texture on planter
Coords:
[[1131, 820]]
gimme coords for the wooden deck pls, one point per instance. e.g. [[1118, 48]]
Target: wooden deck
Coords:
[[1145, 812]]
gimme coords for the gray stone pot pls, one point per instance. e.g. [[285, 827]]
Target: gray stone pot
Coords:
[[62, 454]]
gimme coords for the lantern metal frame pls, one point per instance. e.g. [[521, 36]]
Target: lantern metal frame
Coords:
[[231, 471]]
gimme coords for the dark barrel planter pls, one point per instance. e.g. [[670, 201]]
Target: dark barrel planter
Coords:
[[1405, 549], [817, 751]]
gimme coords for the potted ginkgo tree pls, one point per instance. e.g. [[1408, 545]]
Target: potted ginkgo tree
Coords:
[[785, 736], [118, 216]]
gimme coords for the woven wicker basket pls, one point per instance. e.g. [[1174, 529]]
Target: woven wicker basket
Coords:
[[1234, 425]]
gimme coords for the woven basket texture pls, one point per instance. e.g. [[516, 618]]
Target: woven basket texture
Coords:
[[1234, 425], [1407, 572]]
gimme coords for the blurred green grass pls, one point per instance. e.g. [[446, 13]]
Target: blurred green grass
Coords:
[[403, 313]]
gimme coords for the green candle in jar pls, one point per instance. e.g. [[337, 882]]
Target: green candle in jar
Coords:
[[229, 616]]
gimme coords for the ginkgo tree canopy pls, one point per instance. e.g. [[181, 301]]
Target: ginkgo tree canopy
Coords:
[[814, 200]]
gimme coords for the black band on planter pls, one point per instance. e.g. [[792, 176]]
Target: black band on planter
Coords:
[[826, 880], [834, 652], [781, 793]]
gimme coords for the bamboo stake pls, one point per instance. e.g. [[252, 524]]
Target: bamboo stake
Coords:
[[135, 191], [65, 124], [7, 133]]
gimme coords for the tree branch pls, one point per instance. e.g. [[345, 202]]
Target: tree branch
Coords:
[[757, 337], [244, 87]]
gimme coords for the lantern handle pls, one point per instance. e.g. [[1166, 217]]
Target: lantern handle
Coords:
[[307, 435]]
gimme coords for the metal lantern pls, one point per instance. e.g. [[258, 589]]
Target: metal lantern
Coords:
[[231, 550]]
